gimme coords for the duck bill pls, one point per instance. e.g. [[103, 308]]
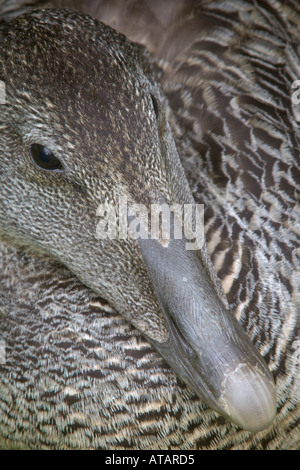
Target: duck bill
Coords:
[[206, 346]]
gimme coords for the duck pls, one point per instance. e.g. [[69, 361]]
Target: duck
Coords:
[[163, 279]]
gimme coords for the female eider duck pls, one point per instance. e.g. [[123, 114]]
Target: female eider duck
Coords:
[[80, 131]]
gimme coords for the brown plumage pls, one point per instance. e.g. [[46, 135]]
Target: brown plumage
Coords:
[[240, 153]]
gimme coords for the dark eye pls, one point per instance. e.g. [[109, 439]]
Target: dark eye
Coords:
[[44, 158], [155, 105]]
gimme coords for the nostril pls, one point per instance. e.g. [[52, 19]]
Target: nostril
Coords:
[[155, 105]]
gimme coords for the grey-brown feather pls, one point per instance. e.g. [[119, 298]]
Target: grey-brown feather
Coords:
[[238, 138]]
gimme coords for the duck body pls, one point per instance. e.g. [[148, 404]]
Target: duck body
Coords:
[[61, 382]]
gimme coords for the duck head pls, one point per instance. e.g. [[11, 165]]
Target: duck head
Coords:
[[84, 125]]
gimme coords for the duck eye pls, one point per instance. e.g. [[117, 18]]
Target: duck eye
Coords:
[[155, 105], [44, 158]]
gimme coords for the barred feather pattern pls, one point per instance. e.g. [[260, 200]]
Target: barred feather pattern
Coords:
[[77, 375]]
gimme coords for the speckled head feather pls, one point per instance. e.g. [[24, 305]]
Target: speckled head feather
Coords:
[[81, 96], [68, 104]]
